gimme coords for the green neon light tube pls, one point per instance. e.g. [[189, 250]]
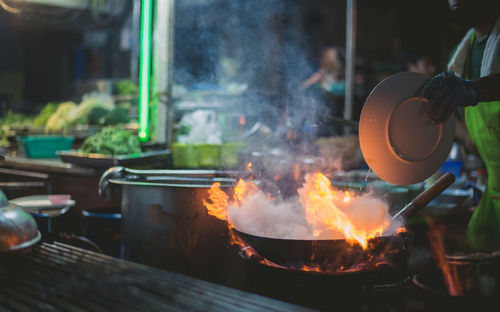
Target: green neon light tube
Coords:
[[144, 68]]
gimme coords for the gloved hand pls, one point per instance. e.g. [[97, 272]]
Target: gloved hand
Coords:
[[445, 93]]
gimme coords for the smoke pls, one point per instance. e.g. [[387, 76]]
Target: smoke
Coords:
[[260, 45], [262, 216], [297, 218]]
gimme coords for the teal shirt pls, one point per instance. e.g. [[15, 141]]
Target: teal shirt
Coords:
[[476, 58], [337, 88]]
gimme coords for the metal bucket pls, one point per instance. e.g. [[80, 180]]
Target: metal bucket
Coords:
[[165, 224]]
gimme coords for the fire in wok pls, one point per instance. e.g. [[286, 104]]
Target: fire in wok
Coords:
[[323, 228]]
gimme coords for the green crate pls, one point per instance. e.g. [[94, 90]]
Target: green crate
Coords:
[[230, 152], [45, 146], [184, 156], [208, 155]]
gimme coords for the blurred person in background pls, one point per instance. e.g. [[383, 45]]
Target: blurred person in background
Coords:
[[419, 63], [472, 84], [327, 85]]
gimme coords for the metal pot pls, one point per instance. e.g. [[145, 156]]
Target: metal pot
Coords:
[[476, 274], [165, 224], [476, 285]]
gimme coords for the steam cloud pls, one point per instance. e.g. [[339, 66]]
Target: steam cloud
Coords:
[[261, 215], [261, 44]]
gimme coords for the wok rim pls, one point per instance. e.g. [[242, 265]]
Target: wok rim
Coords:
[[313, 240]]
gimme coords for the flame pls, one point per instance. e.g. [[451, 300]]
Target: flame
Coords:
[[296, 172], [323, 206], [249, 166], [242, 120], [325, 209], [219, 202], [347, 197], [218, 207], [401, 230], [451, 276], [242, 190]]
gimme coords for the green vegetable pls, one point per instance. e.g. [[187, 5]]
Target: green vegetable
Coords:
[[112, 141], [79, 116], [13, 119], [97, 116], [126, 87], [44, 115], [59, 121], [119, 115], [4, 135]]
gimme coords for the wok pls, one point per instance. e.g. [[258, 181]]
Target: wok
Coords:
[[339, 254]]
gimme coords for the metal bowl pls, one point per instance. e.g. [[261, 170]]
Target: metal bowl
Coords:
[[18, 229]]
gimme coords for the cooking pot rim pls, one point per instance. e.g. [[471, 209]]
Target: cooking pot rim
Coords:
[[224, 184]]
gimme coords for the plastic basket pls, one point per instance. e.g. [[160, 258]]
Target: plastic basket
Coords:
[[184, 156], [45, 146], [206, 155]]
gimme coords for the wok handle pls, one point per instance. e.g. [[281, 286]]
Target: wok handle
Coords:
[[426, 196]]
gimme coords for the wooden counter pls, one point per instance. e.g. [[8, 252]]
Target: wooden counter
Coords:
[[24, 176], [48, 166]]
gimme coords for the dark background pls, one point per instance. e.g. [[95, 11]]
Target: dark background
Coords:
[[276, 42], [46, 52]]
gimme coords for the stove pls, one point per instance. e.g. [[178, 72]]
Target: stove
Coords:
[[385, 289]]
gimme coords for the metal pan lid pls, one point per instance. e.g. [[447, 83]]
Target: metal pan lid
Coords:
[[18, 229], [398, 142]]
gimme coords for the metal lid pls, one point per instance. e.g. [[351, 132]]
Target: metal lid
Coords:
[[18, 229], [399, 143]]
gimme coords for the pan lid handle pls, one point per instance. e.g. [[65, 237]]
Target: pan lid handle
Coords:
[[426, 196]]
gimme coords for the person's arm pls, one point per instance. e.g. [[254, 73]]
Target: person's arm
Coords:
[[315, 78], [489, 87], [446, 92]]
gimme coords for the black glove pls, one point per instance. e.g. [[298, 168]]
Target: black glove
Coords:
[[445, 92]]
